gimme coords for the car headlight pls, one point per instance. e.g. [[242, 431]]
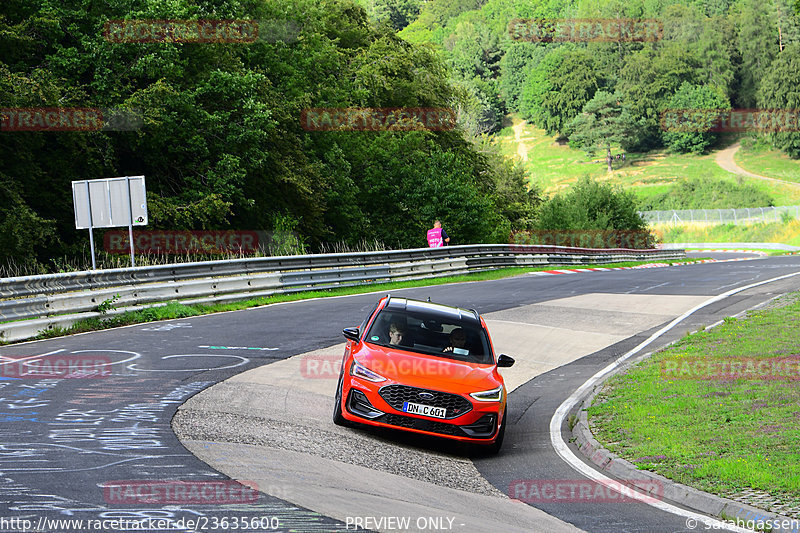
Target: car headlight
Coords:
[[359, 370], [494, 395]]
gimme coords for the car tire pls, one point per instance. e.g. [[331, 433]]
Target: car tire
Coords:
[[338, 419]]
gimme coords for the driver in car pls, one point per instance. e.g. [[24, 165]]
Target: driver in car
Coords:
[[458, 342]]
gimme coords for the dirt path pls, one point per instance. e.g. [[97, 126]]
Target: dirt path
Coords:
[[522, 150], [725, 160]]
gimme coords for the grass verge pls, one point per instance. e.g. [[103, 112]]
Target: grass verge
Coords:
[[787, 232], [683, 414], [768, 162], [172, 310]]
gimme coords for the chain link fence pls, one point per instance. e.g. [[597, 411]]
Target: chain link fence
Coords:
[[747, 215]]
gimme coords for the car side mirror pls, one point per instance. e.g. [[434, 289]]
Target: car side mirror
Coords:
[[350, 334], [505, 361]]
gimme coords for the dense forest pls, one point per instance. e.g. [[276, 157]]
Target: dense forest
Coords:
[[222, 144], [709, 54]]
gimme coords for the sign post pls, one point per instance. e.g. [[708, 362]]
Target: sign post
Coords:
[[110, 202], [91, 234], [130, 218]]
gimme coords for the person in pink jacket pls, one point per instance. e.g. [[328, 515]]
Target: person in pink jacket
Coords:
[[437, 236]]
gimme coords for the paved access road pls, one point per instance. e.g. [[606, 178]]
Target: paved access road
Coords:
[[68, 445]]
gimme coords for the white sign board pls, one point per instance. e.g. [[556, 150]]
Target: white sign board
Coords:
[[106, 203]]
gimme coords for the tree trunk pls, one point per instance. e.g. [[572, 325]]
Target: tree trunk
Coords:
[[608, 156]]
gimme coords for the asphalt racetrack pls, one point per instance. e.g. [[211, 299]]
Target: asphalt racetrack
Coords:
[[99, 451]]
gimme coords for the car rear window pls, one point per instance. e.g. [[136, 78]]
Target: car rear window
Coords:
[[432, 336]]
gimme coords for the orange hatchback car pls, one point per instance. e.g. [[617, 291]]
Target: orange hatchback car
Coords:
[[426, 368]]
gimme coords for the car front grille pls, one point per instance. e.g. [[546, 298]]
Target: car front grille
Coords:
[[397, 395], [421, 424]]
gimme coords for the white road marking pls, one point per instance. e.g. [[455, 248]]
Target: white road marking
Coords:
[[563, 410], [237, 348]]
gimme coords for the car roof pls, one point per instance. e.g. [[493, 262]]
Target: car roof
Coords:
[[433, 310]]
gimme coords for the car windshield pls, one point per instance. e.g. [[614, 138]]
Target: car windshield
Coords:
[[449, 338]]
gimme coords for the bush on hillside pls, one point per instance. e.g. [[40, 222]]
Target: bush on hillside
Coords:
[[598, 213], [706, 193]]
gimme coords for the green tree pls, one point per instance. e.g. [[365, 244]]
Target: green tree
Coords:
[[778, 91], [515, 66], [757, 45], [602, 122], [717, 53], [590, 205], [391, 72], [648, 80], [516, 197], [474, 49], [479, 108], [682, 23], [396, 13], [23, 233], [558, 87], [473, 54], [708, 38], [433, 16], [407, 180], [787, 22], [694, 132], [221, 144]]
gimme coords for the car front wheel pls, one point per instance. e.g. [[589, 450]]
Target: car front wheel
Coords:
[[338, 419]]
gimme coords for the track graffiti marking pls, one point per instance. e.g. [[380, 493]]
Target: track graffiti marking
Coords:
[[168, 327], [242, 361]]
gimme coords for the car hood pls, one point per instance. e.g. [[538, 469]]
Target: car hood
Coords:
[[428, 371]]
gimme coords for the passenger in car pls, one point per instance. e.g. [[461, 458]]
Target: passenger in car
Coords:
[[397, 334]]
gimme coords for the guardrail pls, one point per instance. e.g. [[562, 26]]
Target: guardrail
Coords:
[[67, 297]]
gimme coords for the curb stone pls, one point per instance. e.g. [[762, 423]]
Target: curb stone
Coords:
[[689, 497]]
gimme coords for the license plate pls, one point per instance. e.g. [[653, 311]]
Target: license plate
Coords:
[[427, 410]]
